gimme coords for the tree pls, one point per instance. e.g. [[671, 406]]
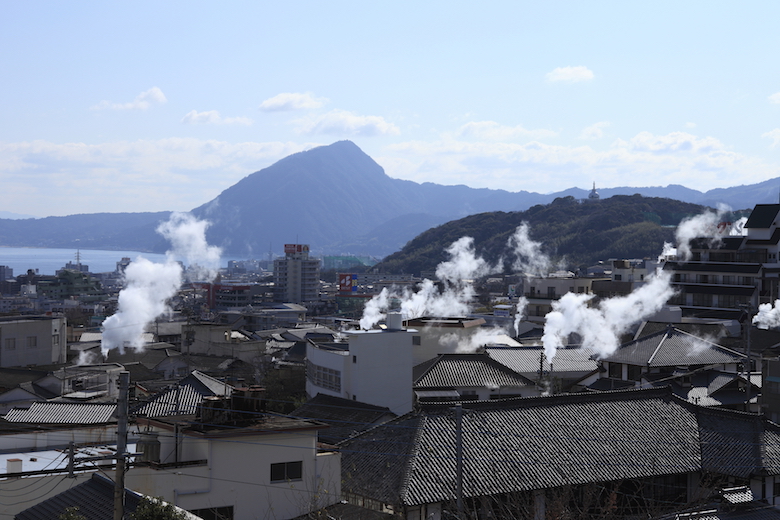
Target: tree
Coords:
[[157, 509], [71, 513]]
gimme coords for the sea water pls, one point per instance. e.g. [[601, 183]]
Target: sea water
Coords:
[[48, 261]]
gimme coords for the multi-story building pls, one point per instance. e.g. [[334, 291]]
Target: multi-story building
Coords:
[[542, 292], [296, 276], [32, 340], [731, 272], [373, 366]]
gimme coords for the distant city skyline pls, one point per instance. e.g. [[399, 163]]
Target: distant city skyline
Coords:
[[152, 107]]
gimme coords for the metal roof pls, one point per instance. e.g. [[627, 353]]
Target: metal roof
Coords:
[[525, 360], [63, 413], [762, 216], [184, 397], [673, 347]]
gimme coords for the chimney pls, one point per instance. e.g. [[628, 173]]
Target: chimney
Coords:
[[13, 466], [394, 321]]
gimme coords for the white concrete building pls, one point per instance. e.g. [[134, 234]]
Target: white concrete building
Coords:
[[373, 367], [269, 467]]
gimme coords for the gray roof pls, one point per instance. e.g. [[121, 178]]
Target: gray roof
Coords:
[[184, 397], [63, 413], [548, 442], [345, 417], [673, 347], [94, 499], [525, 360], [466, 370], [762, 216]]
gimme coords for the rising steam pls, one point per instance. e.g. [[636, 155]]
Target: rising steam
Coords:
[[601, 325], [768, 316], [706, 226], [456, 276], [149, 286]]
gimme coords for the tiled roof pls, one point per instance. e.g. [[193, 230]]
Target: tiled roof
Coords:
[[467, 370], [548, 442], [525, 360], [184, 397], [673, 347], [63, 413], [345, 417]]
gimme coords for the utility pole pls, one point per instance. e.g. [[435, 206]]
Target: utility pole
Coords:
[[121, 446], [459, 459]]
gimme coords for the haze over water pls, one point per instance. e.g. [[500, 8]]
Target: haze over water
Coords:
[[48, 261]]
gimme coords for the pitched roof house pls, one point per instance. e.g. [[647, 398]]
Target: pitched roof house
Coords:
[[540, 454]]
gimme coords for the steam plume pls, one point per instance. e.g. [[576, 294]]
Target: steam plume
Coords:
[[453, 299], [149, 286], [768, 316], [601, 325], [704, 225], [529, 258]]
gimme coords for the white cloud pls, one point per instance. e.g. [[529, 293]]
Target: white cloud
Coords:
[[145, 175], [212, 117], [645, 160], [594, 131], [141, 102], [774, 135], [287, 101], [775, 98], [492, 131], [344, 123], [690, 125], [570, 74]]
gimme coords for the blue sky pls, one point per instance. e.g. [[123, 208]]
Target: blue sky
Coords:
[[151, 106]]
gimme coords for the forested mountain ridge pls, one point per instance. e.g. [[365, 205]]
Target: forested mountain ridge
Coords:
[[571, 232]]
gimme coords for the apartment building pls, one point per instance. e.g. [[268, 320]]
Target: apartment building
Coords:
[[296, 276]]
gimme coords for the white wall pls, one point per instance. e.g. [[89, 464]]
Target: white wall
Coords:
[[238, 474], [380, 367]]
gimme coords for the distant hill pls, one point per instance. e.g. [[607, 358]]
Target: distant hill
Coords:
[[573, 232], [334, 198]]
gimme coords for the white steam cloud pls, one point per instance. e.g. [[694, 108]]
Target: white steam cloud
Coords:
[[453, 299], [149, 286], [601, 325], [768, 316], [522, 304], [457, 276], [705, 225]]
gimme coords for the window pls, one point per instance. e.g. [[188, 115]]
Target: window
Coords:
[[580, 290], [634, 373], [284, 471], [416, 340], [354, 359], [10, 343], [728, 279], [616, 370], [618, 277], [702, 300], [55, 340], [323, 377], [551, 292], [32, 341]]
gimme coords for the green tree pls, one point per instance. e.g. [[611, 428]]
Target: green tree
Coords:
[[157, 509]]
